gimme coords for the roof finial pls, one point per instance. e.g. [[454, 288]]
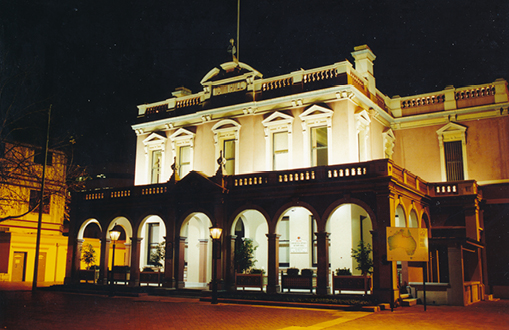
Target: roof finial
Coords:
[[233, 50]]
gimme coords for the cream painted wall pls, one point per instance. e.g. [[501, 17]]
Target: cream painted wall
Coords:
[[297, 139], [140, 170], [418, 151], [343, 126], [488, 144], [376, 139]]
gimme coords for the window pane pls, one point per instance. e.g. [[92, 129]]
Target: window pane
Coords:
[[156, 166], [319, 154], [185, 161], [229, 155], [454, 160], [280, 148]]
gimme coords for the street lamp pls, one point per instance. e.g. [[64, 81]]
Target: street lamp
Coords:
[[114, 236], [215, 233]]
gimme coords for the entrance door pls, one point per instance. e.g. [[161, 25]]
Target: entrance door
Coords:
[[42, 267], [18, 266]]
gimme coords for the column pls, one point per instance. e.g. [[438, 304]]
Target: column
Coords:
[[273, 264], [76, 262], [322, 241], [134, 280], [181, 262], [230, 261], [127, 256], [202, 276], [455, 294], [384, 270], [105, 256], [169, 279]]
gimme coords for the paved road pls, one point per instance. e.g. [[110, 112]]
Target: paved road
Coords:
[[56, 310]]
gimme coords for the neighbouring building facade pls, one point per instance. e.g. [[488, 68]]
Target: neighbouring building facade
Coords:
[[20, 186], [307, 165]]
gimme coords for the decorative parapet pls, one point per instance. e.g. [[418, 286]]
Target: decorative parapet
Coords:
[[187, 101], [450, 99], [276, 84], [455, 188]]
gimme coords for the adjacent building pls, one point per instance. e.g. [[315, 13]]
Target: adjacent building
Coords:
[[307, 165], [20, 189]]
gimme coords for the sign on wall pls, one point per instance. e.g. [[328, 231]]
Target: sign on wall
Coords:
[[298, 246], [407, 244]]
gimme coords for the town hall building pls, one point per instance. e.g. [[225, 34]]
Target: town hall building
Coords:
[[307, 165]]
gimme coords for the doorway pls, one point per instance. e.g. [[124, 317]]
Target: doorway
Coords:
[[42, 267], [19, 266]]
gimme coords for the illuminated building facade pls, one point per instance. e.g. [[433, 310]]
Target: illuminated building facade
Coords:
[[307, 165], [21, 173]]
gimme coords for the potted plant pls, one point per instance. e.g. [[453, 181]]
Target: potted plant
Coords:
[[244, 256], [88, 255], [343, 272], [363, 257], [157, 256]]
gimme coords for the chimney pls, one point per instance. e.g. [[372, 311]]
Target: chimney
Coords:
[[181, 91], [364, 58]]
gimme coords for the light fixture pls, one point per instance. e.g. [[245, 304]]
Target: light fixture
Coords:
[[215, 232], [114, 234]]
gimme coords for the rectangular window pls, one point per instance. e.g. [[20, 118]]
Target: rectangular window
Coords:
[[39, 157], [34, 201], [156, 166], [280, 151], [184, 161], [284, 242], [319, 153], [229, 156], [152, 241], [454, 160]]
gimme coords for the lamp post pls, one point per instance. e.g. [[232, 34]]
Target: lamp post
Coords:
[[215, 233], [114, 235]]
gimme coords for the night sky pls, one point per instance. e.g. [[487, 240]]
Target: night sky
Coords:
[[94, 61]]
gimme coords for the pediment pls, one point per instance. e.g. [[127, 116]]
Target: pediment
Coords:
[[230, 70], [197, 183], [226, 124], [276, 118], [316, 111], [452, 128], [155, 138], [182, 133]]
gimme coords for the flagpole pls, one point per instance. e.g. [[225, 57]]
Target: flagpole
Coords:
[[238, 29], [41, 203]]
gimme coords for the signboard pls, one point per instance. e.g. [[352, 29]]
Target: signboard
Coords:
[[229, 88], [407, 244], [298, 246]]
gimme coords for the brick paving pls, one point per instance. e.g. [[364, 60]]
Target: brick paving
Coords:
[[56, 310]]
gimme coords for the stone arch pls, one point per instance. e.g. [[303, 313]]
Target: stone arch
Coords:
[[348, 224], [297, 225], [195, 268], [284, 208], [334, 206], [413, 219], [123, 245], [256, 228], [400, 215], [152, 230], [84, 241]]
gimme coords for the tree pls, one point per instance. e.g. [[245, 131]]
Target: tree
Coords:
[[244, 256], [158, 254], [363, 257], [88, 255]]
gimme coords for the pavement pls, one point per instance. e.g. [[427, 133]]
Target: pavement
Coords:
[[22, 309]]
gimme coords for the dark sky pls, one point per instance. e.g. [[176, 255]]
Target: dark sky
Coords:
[[96, 60]]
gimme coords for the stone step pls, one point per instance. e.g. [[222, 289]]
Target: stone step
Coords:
[[409, 302], [405, 295], [384, 306]]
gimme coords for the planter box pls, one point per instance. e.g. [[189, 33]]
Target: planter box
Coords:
[[151, 277], [249, 281], [297, 282], [121, 273], [352, 283], [89, 275]]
